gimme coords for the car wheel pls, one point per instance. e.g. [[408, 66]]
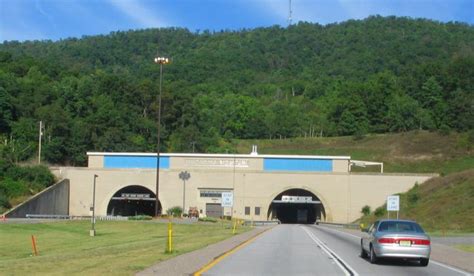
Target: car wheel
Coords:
[[363, 254], [424, 261], [372, 256]]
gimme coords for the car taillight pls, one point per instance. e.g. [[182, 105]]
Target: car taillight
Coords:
[[387, 240], [421, 242], [397, 240]]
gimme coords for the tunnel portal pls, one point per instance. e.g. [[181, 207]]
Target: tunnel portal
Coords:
[[296, 206], [132, 201]]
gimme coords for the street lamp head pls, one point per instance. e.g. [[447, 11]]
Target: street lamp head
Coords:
[[162, 60]]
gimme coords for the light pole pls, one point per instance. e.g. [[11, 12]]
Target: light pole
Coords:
[[160, 61], [92, 232], [184, 175]]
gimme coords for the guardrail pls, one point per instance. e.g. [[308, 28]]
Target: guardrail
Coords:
[[341, 225], [35, 216], [261, 222]]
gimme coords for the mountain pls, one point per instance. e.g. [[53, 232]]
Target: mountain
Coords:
[[98, 93]]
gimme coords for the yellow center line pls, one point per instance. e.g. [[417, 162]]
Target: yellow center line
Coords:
[[228, 253]]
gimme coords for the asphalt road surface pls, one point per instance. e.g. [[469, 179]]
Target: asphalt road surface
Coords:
[[291, 249]]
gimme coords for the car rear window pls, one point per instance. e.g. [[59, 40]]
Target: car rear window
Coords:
[[400, 226]]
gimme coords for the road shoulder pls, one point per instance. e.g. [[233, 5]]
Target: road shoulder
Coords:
[[191, 262]]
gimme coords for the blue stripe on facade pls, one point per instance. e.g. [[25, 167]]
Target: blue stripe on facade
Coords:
[[135, 162], [306, 165]]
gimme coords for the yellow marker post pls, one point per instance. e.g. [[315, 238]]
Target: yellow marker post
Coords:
[[235, 225], [170, 237]]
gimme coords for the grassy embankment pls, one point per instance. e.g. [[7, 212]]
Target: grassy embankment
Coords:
[[441, 204], [120, 248]]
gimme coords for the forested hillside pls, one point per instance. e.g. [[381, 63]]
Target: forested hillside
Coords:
[[98, 93]]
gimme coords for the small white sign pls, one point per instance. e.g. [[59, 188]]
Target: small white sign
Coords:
[[227, 199], [393, 203]]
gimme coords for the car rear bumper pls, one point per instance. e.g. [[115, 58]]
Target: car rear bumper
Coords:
[[397, 251]]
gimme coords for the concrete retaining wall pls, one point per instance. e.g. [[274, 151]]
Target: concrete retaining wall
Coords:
[[52, 201]]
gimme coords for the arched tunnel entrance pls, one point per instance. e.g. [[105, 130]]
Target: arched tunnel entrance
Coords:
[[296, 206], [132, 201]]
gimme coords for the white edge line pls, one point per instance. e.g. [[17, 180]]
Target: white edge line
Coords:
[[450, 267], [326, 248], [354, 236], [432, 261]]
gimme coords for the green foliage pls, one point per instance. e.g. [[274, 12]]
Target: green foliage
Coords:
[[175, 211], [380, 211], [365, 210], [4, 203], [16, 181], [413, 195], [13, 188], [98, 93]]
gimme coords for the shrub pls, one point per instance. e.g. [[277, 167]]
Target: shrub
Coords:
[[380, 211], [208, 219], [365, 210], [140, 217], [4, 201], [14, 188], [175, 211]]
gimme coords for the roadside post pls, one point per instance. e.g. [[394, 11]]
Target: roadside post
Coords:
[[393, 204], [33, 244], [170, 237], [227, 200], [235, 225]]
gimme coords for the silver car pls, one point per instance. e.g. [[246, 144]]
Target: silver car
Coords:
[[391, 238]]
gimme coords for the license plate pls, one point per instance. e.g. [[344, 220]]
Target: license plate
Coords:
[[405, 243]]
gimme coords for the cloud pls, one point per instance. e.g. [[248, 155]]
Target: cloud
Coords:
[[139, 12], [45, 14]]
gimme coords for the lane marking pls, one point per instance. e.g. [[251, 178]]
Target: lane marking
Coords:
[[342, 232], [431, 260], [343, 265], [228, 253], [450, 267]]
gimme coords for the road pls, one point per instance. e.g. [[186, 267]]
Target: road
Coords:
[[291, 249]]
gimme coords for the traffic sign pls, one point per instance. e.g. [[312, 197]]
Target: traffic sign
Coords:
[[227, 199], [393, 203]]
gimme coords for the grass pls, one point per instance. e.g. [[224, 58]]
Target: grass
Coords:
[[120, 247], [411, 152], [465, 247]]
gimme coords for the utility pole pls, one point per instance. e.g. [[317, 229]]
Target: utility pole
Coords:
[[290, 13], [92, 231], [39, 142]]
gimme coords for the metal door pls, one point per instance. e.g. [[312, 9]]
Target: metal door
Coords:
[[214, 210]]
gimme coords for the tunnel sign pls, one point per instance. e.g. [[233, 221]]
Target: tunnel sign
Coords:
[[227, 199], [393, 203], [297, 199]]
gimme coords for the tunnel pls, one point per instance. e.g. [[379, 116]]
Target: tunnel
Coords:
[[133, 201], [296, 206]]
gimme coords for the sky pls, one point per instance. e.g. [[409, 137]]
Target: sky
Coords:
[[60, 19]]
